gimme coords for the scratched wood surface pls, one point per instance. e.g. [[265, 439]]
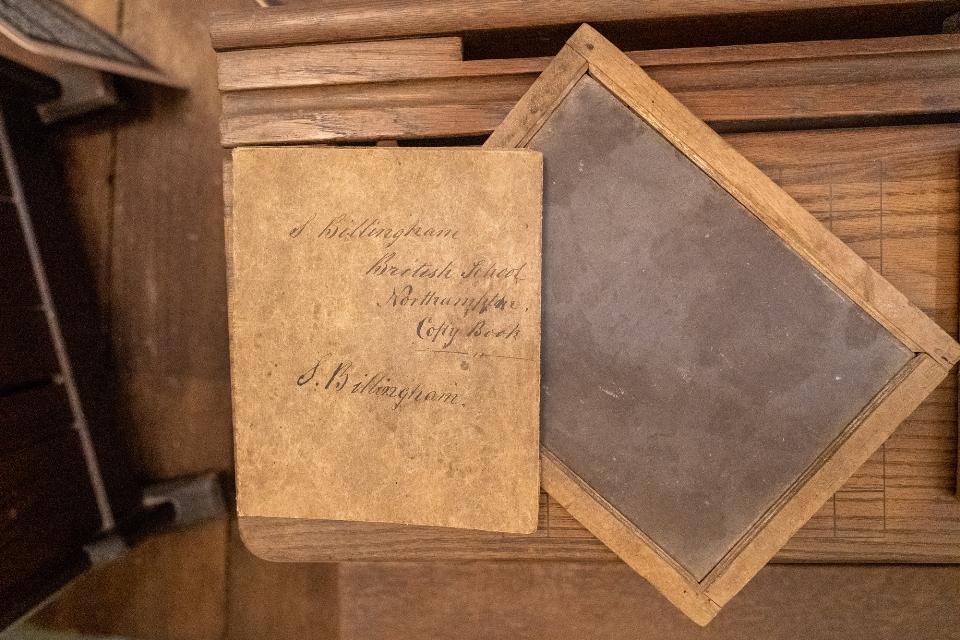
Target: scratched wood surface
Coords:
[[892, 195], [299, 94]]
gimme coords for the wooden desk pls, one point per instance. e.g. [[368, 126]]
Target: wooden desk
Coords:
[[891, 193]]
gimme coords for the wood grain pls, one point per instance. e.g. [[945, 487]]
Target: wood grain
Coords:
[[440, 57], [366, 19], [273, 600], [733, 88], [167, 286], [547, 600], [890, 193], [170, 587], [338, 63], [936, 351]]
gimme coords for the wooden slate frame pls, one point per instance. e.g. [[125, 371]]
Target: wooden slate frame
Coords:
[[588, 53]]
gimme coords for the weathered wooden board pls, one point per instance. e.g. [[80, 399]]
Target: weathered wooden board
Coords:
[[300, 99], [887, 192], [365, 19], [483, 600]]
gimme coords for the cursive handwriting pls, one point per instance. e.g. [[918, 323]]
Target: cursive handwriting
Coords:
[[346, 378], [482, 269], [407, 297], [444, 333], [343, 228], [384, 267]]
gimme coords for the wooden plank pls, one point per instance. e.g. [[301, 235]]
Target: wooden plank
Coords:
[[17, 286], [346, 63], [730, 87], [167, 285], [367, 19], [170, 587], [432, 58], [47, 510], [88, 158], [922, 522], [269, 599], [480, 600]]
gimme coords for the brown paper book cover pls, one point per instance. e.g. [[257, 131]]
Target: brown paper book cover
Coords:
[[385, 335]]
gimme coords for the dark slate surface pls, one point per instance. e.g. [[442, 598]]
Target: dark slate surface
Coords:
[[693, 365]]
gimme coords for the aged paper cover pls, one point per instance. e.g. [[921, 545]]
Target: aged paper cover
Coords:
[[385, 335]]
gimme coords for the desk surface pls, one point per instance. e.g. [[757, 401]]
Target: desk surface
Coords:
[[892, 195]]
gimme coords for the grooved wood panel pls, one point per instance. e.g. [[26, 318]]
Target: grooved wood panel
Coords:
[[892, 195], [300, 99]]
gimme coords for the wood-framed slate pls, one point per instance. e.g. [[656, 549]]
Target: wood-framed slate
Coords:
[[715, 362]]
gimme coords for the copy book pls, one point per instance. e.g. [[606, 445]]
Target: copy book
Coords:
[[385, 335]]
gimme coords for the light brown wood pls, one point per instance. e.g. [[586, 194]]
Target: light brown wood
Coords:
[[424, 58], [731, 87], [876, 424], [350, 62], [531, 111], [625, 540], [366, 19], [172, 586]]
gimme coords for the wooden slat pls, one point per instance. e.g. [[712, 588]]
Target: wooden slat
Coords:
[[431, 58], [167, 285], [839, 174], [376, 61], [483, 600], [734, 88], [367, 19]]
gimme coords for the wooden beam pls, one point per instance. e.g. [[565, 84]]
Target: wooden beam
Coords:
[[369, 19]]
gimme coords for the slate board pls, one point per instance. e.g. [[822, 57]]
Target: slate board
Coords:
[[693, 365]]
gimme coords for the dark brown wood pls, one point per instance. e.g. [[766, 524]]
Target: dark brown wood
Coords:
[[167, 284], [26, 353], [17, 287], [32, 416], [279, 600]]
